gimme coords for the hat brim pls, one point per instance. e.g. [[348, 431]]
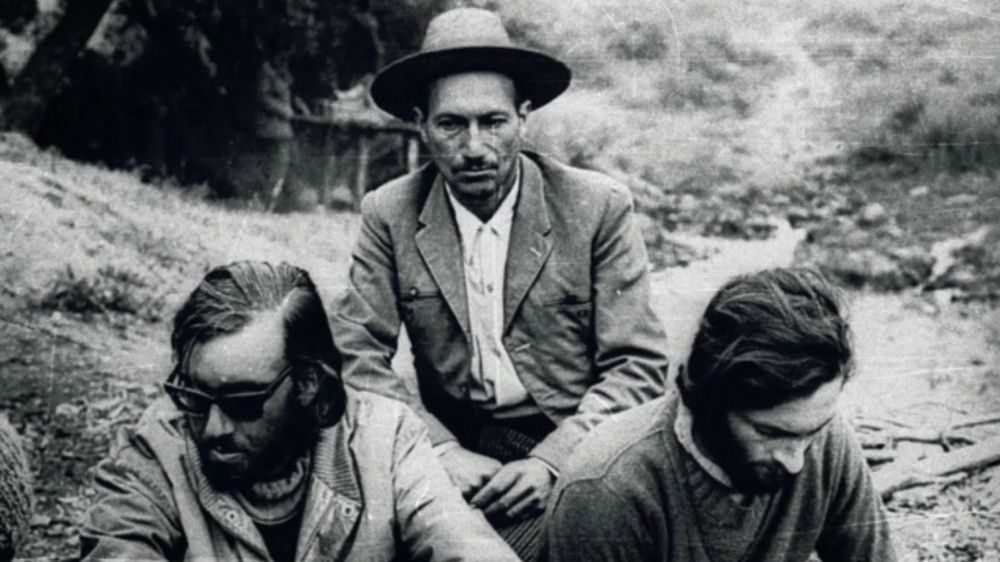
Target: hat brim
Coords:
[[538, 76]]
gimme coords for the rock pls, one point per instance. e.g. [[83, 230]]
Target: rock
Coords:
[[797, 216], [340, 197], [961, 200], [687, 203], [67, 410], [869, 267], [920, 191], [652, 233], [872, 215]]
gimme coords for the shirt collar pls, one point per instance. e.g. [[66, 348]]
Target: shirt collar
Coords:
[[501, 221], [683, 430]]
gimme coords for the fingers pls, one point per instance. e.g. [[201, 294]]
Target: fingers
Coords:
[[513, 496], [495, 488], [469, 471], [529, 505]]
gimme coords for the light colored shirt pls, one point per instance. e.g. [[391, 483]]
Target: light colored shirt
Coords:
[[495, 385]]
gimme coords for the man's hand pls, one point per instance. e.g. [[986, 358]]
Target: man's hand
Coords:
[[518, 491], [468, 471]]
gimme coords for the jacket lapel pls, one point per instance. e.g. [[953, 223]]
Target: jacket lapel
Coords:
[[529, 242], [334, 503], [441, 250]]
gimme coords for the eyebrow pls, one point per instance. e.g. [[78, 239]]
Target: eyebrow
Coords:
[[785, 433]]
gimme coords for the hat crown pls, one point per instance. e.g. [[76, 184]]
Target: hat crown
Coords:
[[465, 27]]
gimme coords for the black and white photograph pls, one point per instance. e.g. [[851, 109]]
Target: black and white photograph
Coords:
[[500, 280]]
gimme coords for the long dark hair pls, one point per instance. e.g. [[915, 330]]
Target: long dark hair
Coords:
[[229, 297], [766, 339]]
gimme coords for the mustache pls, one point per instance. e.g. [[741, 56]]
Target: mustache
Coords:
[[224, 445], [475, 167]]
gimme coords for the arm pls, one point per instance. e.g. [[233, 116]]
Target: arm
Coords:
[[434, 521], [366, 322], [630, 344], [856, 526], [587, 521], [135, 517]]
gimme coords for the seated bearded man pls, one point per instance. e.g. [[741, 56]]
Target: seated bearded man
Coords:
[[749, 461], [261, 453]]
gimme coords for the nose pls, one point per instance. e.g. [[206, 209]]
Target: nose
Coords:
[[791, 457], [475, 142], [218, 424]]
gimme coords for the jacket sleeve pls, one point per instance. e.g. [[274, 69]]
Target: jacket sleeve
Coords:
[[630, 343], [134, 517], [856, 526], [435, 523], [587, 521], [366, 322]]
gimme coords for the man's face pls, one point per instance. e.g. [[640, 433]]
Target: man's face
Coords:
[[473, 131], [235, 451], [762, 450]]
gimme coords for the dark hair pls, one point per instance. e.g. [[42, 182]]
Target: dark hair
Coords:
[[766, 339], [230, 296]]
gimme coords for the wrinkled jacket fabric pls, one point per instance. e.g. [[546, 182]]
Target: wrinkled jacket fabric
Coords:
[[377, 492], [577, 322]]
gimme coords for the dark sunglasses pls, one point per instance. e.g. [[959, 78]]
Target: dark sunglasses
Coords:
[[242, 406]]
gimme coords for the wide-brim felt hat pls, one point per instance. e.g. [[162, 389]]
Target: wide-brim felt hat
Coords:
[[467, 40]]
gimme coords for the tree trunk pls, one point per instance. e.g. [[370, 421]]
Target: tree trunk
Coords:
[[44, 75]]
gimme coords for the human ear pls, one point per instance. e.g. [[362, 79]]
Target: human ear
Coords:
[[307, 385], [420, 119], [524, 109]]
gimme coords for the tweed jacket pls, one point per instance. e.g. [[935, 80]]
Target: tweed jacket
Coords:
[[577, 322], [377, 492]]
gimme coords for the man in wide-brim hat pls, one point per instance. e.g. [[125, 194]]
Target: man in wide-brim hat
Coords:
[[522, 282]]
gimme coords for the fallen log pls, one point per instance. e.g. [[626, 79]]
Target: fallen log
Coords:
[[900, 475], [879, 457], [890, 436], [985, 420]]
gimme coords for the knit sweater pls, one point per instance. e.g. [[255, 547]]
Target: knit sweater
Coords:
[[15, 489], [631, 492]]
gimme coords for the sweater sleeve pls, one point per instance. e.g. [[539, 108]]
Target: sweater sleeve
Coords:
[[857, 526], [588, 521]]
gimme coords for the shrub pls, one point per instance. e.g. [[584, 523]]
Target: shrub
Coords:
[[640, 41], [110, 290]]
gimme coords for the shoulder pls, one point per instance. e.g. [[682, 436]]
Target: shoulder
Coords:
[[404, 194], [589, 187], [624, 451], [136, 460], [835, 459]]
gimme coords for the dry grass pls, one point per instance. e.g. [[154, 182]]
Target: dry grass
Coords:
[[130, 245], [920, 88]]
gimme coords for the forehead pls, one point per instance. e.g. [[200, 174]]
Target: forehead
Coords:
[[471, 93], [251, 355], [802, 414]]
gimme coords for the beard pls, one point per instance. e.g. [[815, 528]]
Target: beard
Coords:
[[748, 476], [228, 464]]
